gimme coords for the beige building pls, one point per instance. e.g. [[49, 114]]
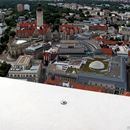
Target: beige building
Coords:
[[17, 47], [26, 68]]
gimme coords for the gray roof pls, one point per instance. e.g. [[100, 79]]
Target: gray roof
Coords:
[[71, 50], [120, 81]]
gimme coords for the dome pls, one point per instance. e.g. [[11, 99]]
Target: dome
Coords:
[[97, 65]]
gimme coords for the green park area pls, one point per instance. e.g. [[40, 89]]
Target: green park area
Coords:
[[85, 67]]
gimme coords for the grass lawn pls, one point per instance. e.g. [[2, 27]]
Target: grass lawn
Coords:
[[85, 67]]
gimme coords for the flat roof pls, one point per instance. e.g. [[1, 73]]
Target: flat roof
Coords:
[[69, 41], [18, 42], [123, 50], [33, 70], [34, 47], [30, 106], [23, 60]]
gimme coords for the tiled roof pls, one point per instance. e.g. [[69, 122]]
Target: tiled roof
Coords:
[[28, 28], [58, 81], [98, 38], [105, 41], [98, 27], [109, 42], [88, 87], [126, 93], [107, 51], [67, 28]]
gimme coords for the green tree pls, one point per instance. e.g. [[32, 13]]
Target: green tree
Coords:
[[12, 33]]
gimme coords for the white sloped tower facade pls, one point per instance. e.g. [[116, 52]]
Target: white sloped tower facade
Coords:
[[39, 15]]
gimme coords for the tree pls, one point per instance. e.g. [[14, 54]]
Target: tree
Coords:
[[4, 68], [10, 22], [71, 19], [87, 13], [12, 34], [5, 38]]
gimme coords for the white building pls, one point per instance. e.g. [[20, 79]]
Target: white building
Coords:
[[125, 31], [122, 50], [39, 15], [27, 7]]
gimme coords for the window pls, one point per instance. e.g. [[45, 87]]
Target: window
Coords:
[[70, 46]]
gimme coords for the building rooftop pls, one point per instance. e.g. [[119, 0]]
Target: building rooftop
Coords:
[[27, 29], [69, 42], [73, 84], [101, 27], [109, 42], [31, 106], [114, 71], [34, 47], [18, 42], [126, 93], [123, 50], [69, 28], [23, 60]]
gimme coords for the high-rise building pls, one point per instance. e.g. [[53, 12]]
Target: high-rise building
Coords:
[[39, 14], [27, 7], [20, 7]]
